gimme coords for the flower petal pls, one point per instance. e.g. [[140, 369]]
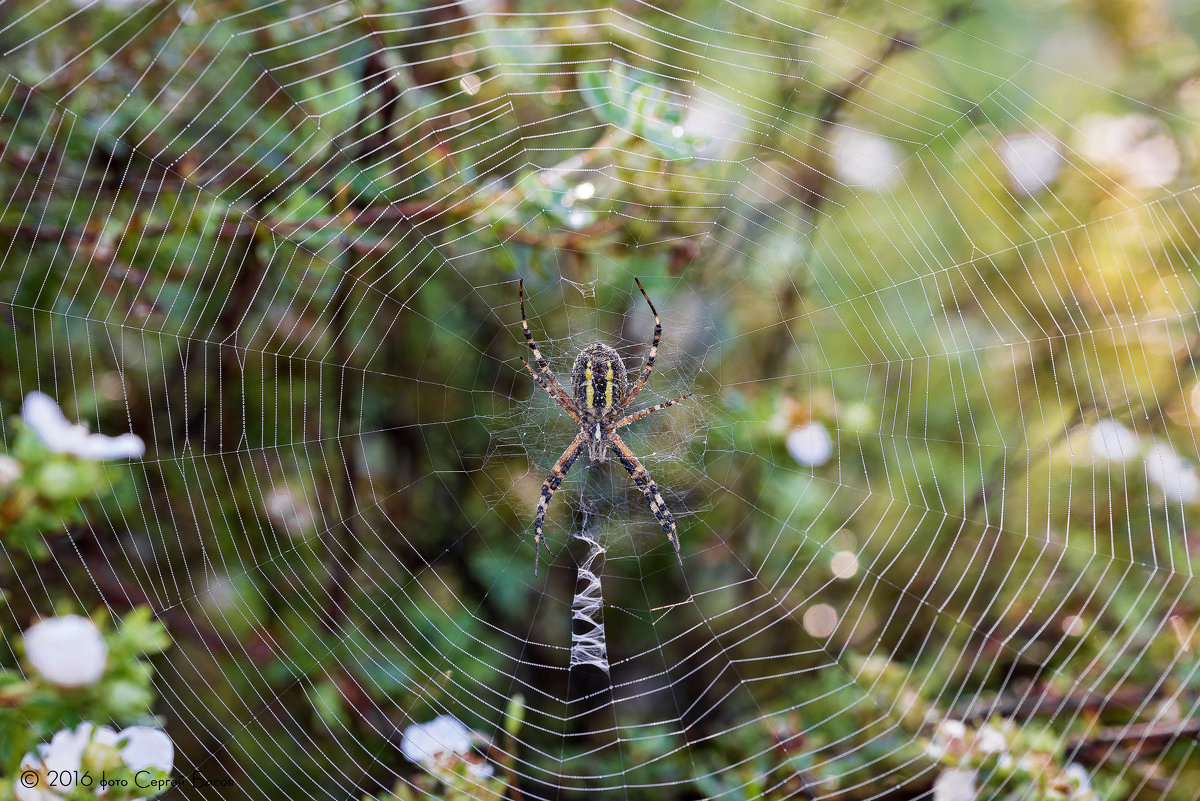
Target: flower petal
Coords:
[[147, 747]]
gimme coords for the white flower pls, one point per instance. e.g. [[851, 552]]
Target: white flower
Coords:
[[810, 445], [950, 737], [288, 510], [1110, 441], [1078, 774], [68, 651], [46, 419], [580, 218], [1032, 162], [220, 594], [1136, 149], [58, 761], [1172, 473], [989, 740], [441, 740], [865, 159], [43, 791], [955, 784], [10, 470], [146, 748], [715, 119]]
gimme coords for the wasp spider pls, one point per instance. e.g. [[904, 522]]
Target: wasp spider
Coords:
[[600, 396]]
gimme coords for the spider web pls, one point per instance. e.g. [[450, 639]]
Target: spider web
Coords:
[[282, 242]]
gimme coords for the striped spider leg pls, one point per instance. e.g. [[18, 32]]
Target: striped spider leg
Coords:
[[553, 479], [567, 406], [624, 421], [649, 489], [650, 355], [550, 382]]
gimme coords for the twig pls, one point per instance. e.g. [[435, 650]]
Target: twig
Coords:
[[415, 212], [1158, 735], [814, 175], [1024, 707], [250, 272], [343, 550]]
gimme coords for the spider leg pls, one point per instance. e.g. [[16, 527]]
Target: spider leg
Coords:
[[553, 479], [562, 397], [646, 484], [641, 382], [567, 406], [624, 421]]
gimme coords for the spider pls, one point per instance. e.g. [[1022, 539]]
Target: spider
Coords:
[[601, 395]]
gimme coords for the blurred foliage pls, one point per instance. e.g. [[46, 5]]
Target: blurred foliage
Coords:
[[43, 493], [283, 240]]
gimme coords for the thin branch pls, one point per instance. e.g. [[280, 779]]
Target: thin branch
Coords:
[[1141, 736], [345, 545], [1024, 707], [813, 179]]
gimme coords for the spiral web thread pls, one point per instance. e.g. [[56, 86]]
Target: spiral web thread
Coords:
[[929, 307]]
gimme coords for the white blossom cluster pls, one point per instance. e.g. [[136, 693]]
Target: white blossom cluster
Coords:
[[44, 417], [810, 445], [289, 509], [1110, 441], [10, 470], [1032, 161], [1135, 149], [962, 752], [1173, 474], [60, 763], [865, 159], [1177, 478], [67, 651], [442, 744]]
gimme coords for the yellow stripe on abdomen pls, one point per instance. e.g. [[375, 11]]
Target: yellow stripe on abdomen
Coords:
[[608, 387], [591, 390]]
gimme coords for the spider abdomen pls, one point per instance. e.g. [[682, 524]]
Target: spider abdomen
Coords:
[[598, 382]]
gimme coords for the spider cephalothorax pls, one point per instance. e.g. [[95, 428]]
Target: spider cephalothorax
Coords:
[[601, 396]]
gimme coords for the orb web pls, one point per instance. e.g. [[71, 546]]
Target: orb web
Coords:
[[931, 286]]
